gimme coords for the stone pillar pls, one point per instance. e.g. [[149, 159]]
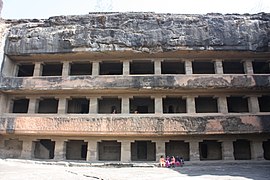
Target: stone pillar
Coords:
[[65, 71], [32, 108], [95, 68], [253, 104], [125, 105], [125, 151], [191, 104], [157, 64], [158, 105], [4, 103], [92, 151], [37, 69], [222, 104], [93, 105], [194, 152], [227, 150], [188, 67], [248, 66], [126, 68], [60, 150], [27, 149], [256, 147], [160, 149], [62, 105], [218, 66]]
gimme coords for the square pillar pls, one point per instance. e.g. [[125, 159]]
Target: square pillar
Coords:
[[253, 104], [60, 150], [125, 105], [4, 103], [218, 66], [191, 104], [93, 105], [126, 68], [37, 69], [65, 71], [160, 149], [125, 151], [32, 108], [257, 152], [27, 149], [248, 66], [188, 67], [62, 105], [194, 152], [158, 105], [157, 64], [227, 150], [95, 68], [92, 151], [222, 104]]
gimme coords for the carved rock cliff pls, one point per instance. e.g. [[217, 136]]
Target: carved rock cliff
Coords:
[[139, 32]]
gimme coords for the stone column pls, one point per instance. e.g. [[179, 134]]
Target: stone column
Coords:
[[27, 149], [248, 66], [194, 150], [157, 64], [158, 105], [218, 66], [93, 105], [92, 151], [222, 104], [125, 151], [37, 69], [32, 108], [60, 150], [188, 67], [4, 103], [95, 68], [253, 104], [256, 147], [190, 100], [126, 68], [65, 71], [62, 105], [160, 149], [227, 150], [125, 105]]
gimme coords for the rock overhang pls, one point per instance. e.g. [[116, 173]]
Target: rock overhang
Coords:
[[148, 33]]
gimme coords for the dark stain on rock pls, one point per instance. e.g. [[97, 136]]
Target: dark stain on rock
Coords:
[[206, 82]]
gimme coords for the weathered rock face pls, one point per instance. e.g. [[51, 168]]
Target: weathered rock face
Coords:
[[140, 32]]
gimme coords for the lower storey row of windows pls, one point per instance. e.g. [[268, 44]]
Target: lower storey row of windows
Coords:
[[137, 150], [147, 104]]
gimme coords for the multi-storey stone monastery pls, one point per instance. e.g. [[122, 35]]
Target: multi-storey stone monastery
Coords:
[[134, 86]]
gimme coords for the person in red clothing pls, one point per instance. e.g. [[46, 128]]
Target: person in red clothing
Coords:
[[173, 161]]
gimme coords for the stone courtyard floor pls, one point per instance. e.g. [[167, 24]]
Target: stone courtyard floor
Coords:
[[43, 170]]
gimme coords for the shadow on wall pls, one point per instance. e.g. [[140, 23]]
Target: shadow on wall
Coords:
[[258, 171]]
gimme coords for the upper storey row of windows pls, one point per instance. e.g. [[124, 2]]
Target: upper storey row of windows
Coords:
[[137, 67]]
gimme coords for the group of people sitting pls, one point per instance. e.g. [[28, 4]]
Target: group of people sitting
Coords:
[[171, 161]]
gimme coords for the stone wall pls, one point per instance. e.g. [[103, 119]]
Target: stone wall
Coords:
[[139, 32], [139, 125]]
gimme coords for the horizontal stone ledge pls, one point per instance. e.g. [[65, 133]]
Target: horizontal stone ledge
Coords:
[[140, 125], [144, 82]]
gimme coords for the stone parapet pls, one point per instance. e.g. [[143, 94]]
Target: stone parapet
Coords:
[[142, 82], [139, 125]]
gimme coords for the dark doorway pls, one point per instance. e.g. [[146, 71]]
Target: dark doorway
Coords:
[[143, 151], [266, 149], [44, 149], [109, 151], [76, 150], [210, 150], [177, 148], [241, 149]]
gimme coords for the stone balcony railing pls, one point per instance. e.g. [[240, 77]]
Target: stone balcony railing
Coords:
[[139, 124], [146, 82]]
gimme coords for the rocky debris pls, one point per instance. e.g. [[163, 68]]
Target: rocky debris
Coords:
[[139, 32]]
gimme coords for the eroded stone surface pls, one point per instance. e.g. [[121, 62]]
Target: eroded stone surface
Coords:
[[139, 32], [139, 125]]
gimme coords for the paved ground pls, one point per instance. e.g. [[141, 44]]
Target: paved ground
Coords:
[[18, 169]]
